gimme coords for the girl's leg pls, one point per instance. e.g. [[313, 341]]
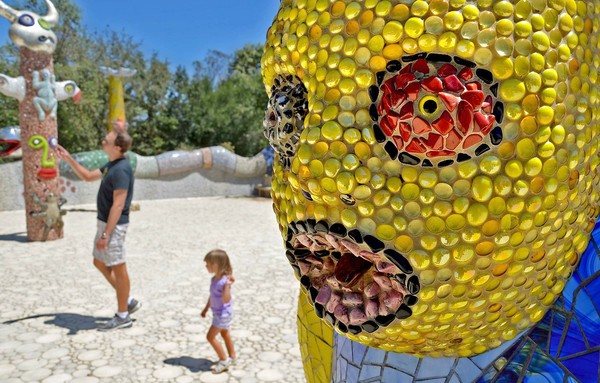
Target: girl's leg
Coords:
[[228, 343], [211, 336]]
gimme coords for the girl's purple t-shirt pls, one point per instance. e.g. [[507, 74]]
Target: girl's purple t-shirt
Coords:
[[216, 294]]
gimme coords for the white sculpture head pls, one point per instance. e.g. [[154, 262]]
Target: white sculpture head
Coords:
[[31, 30]]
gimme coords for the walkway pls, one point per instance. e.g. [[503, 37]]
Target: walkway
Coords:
[[52, 298]]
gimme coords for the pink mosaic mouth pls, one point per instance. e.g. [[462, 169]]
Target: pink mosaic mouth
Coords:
[[353, 282], [435, 110]]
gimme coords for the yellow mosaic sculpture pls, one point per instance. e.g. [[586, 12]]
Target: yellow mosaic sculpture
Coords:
[[436, 163], [316, 342]]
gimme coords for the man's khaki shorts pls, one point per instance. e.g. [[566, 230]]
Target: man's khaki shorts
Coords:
[[115, 254]]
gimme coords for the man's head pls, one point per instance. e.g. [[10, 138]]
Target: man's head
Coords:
[[116, 143]]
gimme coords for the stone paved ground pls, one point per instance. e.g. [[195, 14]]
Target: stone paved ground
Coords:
[[52, 298]]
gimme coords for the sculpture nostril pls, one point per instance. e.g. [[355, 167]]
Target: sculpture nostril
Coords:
[[42, 38], [284, 117], [272, 119]]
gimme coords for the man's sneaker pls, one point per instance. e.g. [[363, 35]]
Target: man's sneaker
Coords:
[[116, 322], [223, 365], [134, 306]]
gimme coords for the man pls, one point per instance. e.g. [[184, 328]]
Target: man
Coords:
[[114, 199]]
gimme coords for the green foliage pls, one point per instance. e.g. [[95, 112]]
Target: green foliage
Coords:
[[247, 60], [222, 101]]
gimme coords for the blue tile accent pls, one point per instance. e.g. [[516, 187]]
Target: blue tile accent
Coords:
[[402, 362], [358, 352], [369, 372], [375, 356], [393, 376], [352, 374], [467, 370], [435, 367]]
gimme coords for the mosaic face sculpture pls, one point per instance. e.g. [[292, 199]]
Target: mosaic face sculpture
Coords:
[[48, 162], [444, 183]]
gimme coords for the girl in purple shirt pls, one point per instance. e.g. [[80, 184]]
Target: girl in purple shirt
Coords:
[[217, 263]]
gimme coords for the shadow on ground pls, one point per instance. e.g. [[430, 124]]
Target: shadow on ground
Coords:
[[15, 237], [192, 364], [73, 322]]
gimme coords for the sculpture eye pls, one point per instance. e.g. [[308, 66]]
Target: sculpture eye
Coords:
[[53, 142], [37, 142], [429, 105], [69, 88], [436, 110], [26, 20], [44, 24]]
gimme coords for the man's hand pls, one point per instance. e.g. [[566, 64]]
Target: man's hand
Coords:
[[203, 314], [102, 244], [62, 153]]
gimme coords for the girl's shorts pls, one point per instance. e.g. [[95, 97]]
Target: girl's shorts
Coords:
[[222, 321]]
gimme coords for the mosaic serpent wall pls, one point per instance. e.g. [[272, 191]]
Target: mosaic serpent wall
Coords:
[[435, 178], [168, 164]]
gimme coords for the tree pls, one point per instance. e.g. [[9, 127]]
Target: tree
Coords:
[[221, 102], [247, 60]]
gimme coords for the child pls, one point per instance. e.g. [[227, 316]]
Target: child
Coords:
[[217, 263]]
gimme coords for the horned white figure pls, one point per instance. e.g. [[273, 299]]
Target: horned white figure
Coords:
[[32, 30]]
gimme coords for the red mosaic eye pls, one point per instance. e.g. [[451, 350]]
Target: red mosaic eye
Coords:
[[433, 113]]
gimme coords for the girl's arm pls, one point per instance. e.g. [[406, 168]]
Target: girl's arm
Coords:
[[226, 297], [203, 314]]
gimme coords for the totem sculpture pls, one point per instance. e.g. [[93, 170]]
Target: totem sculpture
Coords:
[[436, 183], [38, 94]]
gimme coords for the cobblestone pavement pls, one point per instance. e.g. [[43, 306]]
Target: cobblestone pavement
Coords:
[[52, 298]]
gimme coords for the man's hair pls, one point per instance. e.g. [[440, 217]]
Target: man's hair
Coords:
[[122, 139]]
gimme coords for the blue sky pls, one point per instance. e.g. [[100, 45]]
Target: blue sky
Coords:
[[180, 31]]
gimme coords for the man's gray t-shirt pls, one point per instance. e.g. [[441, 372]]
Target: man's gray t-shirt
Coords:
[[116, 175]]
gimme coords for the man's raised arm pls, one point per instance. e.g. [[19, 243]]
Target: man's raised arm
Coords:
[[80, 170]]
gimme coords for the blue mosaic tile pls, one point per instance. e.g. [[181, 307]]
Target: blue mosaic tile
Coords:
[[467, 370], [435, 367], [369, 372], [352, 374], [358, 352], [403, 362], [375, 356], [394, 376]]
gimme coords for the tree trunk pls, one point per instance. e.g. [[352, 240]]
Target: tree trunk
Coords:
[[32, 158]]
